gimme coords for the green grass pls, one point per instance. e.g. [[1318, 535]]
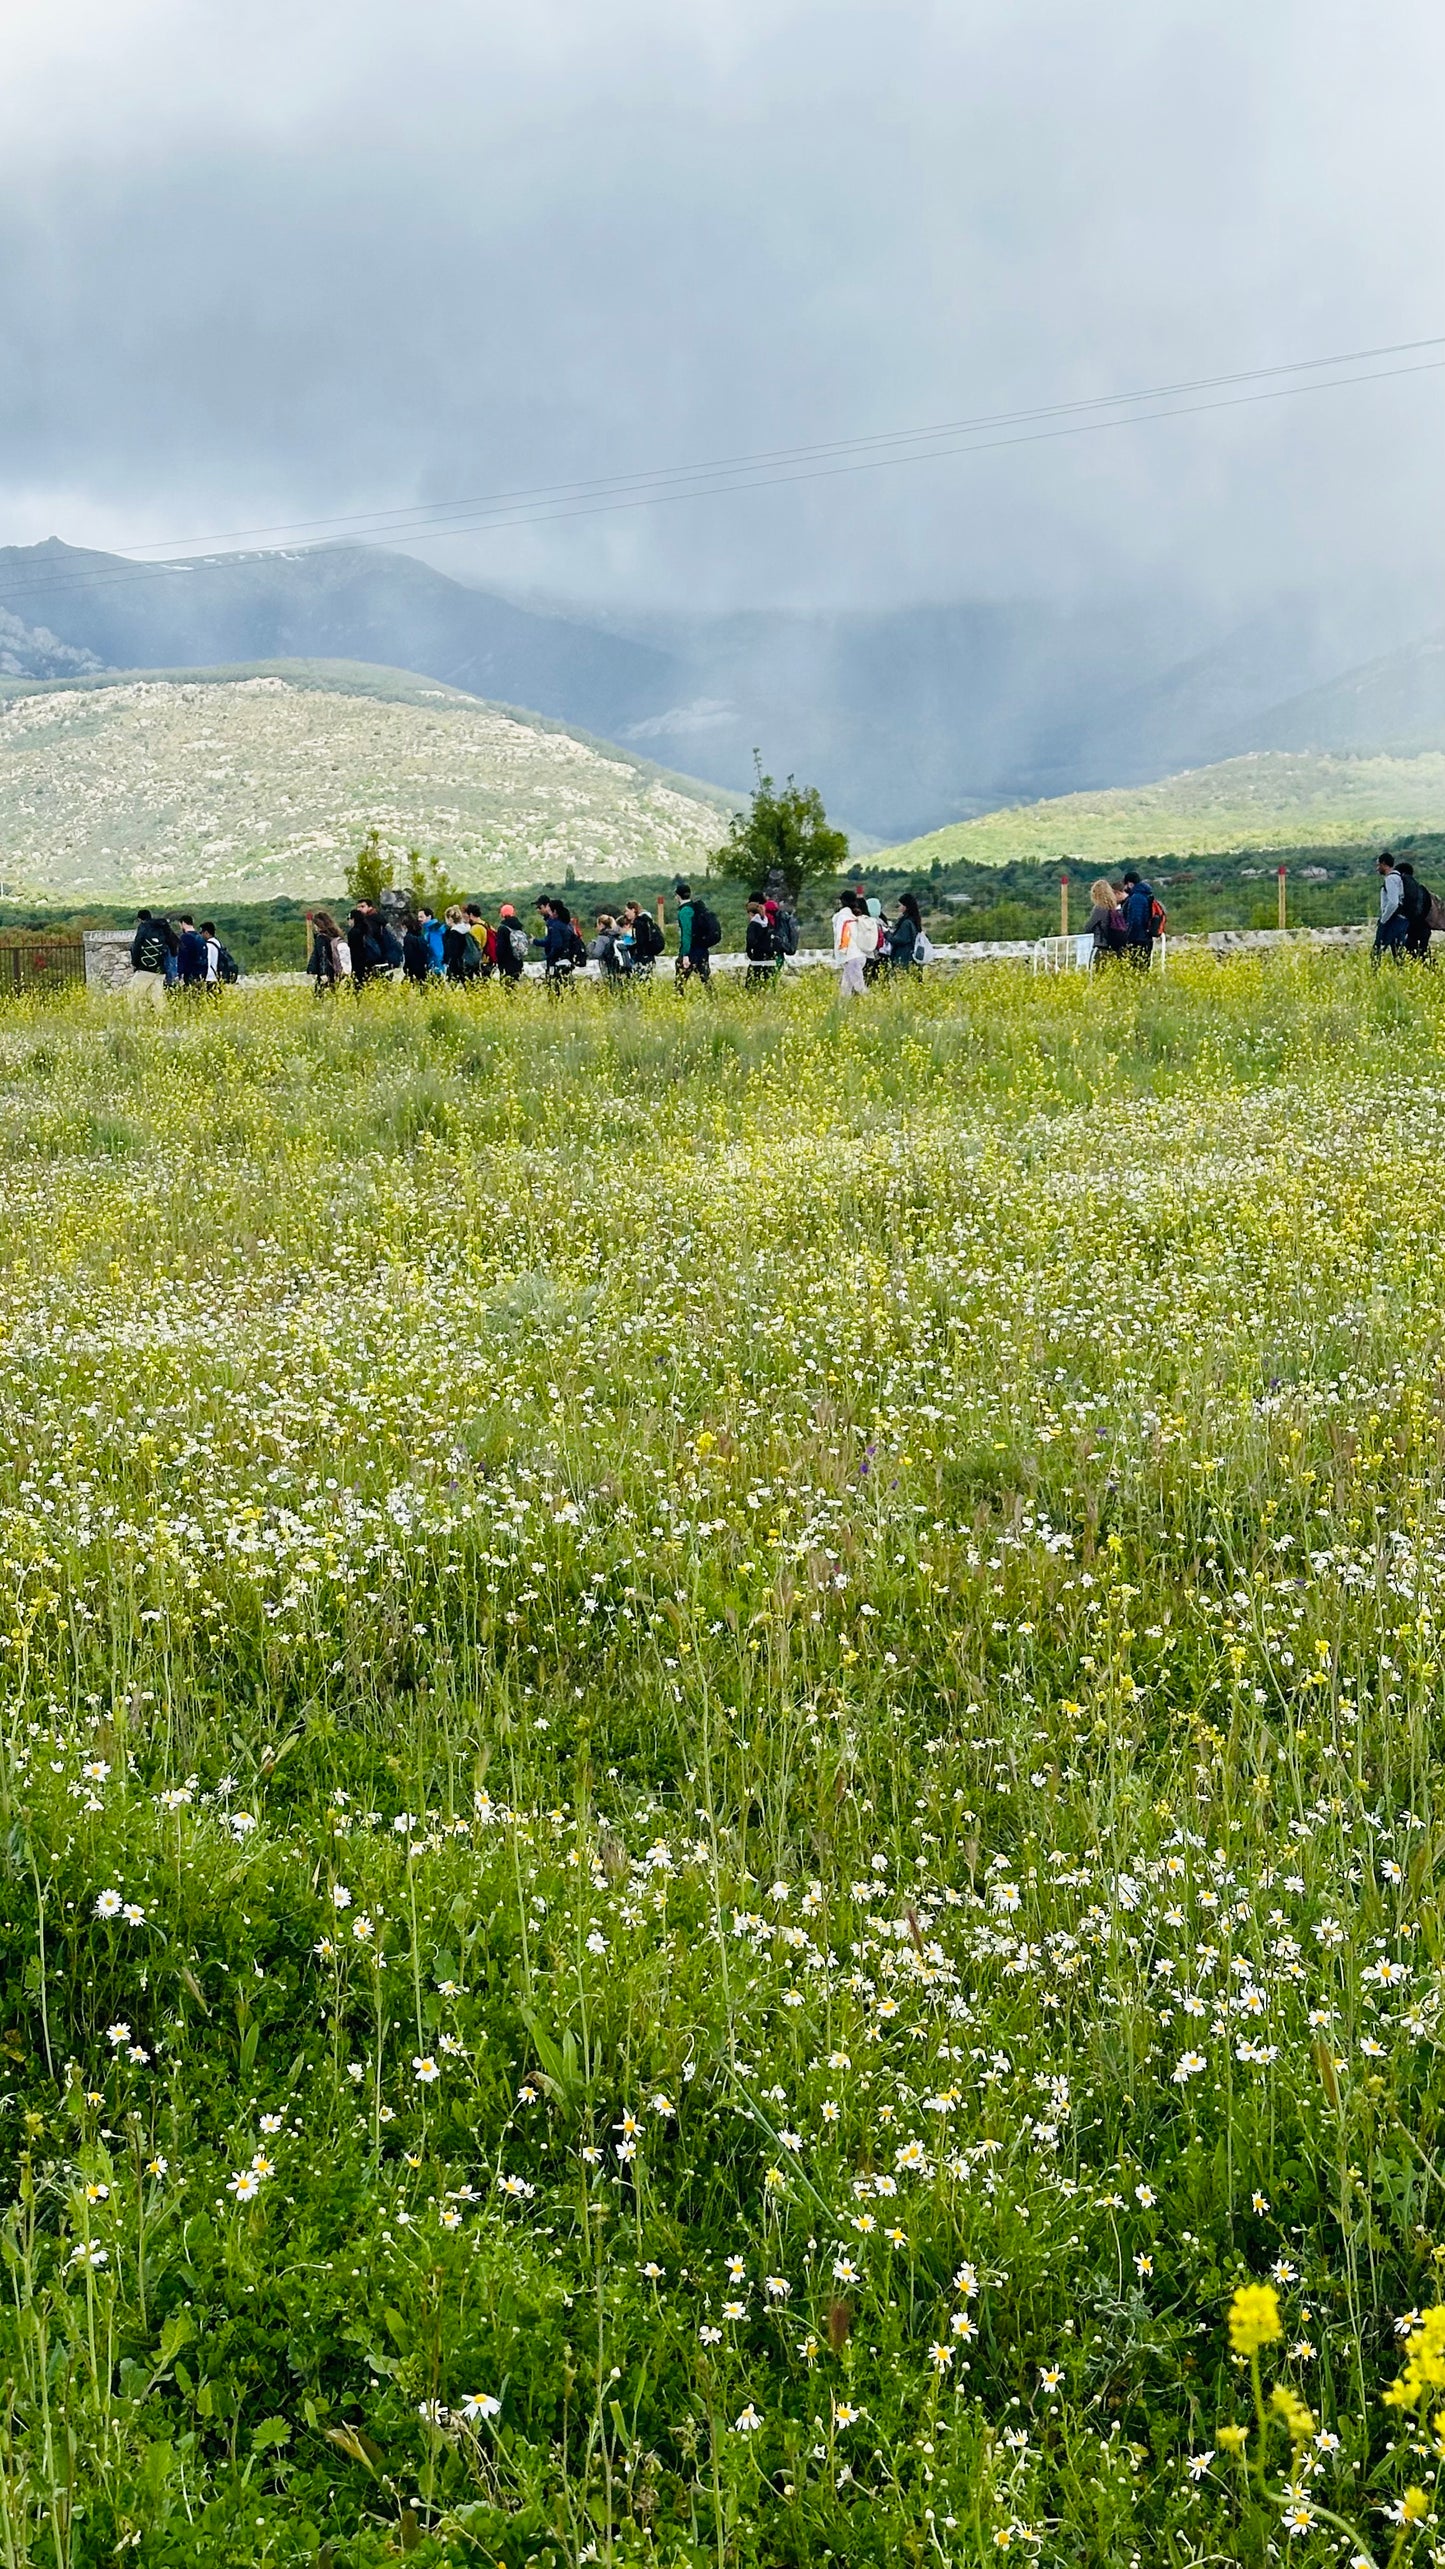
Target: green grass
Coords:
[[1272, 800], [851, 1589]]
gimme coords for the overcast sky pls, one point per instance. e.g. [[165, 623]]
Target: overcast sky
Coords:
[[265, 262]]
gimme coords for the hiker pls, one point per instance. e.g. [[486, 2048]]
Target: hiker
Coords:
[[329, 961], [559, 943], [646, 938], [416, 962], [151, 950], [485, 935], [190, 954], [460, 951], [860, 947], [608, 949], [368, 950], [1141, 920], [1394, 925], [902, 941], [432, 933], [784, 924], [511, 944], [697, 933], [1417, 901], [1105, 922], [221, 965], [842, 922], [760, 944]]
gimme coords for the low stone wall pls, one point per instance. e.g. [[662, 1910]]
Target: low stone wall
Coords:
[[107, 958]]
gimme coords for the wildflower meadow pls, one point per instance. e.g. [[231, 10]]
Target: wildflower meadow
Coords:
[[721, 1735]]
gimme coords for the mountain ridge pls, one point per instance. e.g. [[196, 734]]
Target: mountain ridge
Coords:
[[256, 781]]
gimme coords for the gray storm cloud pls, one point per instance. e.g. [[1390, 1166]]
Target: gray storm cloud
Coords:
[[261, 264]]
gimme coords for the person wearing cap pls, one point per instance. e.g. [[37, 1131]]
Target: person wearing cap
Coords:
[[1394, 926], [511, 943]]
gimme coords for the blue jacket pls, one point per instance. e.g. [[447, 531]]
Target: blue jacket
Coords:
[[434, 932], [1139, 915], [191, 955], [557, 945]]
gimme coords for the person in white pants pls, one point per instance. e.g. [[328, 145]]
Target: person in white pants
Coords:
[[859, 942]]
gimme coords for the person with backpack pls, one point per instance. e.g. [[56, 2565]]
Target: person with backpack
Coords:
[[646, 938], [1143, 920], [329, 962], [460, 952], [190, 955], [698, 931], [1105, 923], [416, 963], [221, 965], [760, 944], [485, 935], [559, 942], [1394, 924], [151, 950], [363, 936], [900, 945], [608, 950], [783, 920], [859, 947], [433, 932], [1418, 902], [511, 945]]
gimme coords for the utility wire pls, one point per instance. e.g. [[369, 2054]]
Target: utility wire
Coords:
[[551, 503]]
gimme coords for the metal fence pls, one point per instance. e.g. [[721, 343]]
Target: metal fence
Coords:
[[34, 962]]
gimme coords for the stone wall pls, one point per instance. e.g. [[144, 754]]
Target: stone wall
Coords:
[[107, 958]]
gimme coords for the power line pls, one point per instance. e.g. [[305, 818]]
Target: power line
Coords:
[[550, 503], [391, 518]]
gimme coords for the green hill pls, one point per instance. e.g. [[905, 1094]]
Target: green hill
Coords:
[[257, 780], [1270, 799]]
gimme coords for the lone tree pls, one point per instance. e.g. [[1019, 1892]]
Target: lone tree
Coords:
[[786, 832]]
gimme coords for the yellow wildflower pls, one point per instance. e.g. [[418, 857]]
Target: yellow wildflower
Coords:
[[1254, 2319], [1296, 2416]]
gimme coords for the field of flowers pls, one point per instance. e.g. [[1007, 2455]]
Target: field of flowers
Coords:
[[721, 1735]]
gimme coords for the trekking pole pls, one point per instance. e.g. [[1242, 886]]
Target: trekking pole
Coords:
[[1281, 896]]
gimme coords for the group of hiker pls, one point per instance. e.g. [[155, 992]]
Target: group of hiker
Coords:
[[464, 944], [1409, 911], [869, 942], [1126, 920], [180, 956]]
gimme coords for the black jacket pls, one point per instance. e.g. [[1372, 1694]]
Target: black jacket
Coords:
[[191, 955], [153, 945], [416, 955], [510, 964], [760, 943], [461, 954]]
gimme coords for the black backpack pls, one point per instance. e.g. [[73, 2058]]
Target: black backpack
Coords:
[[227, 966], [469, 958], [706, 928], [785, 932], [648, 940], [1414, 900]]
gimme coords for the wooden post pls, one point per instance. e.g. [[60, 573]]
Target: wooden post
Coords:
[[1281, 897], [1063, 905]]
